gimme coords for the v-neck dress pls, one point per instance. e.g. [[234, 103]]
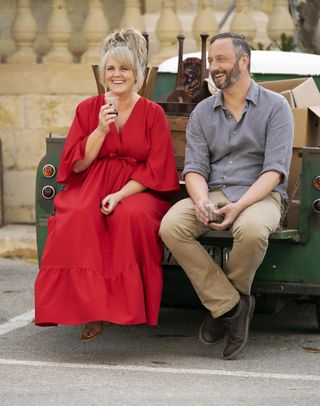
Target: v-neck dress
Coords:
[[98, 267]]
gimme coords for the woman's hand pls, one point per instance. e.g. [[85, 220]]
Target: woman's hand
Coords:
[[110, 202], [107, 115]]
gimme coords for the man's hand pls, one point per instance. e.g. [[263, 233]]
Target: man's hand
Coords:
[[201, 212], [230, 212]]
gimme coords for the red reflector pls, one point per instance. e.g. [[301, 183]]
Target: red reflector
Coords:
[[316, 206], [316, 182], [48, 171], [48, 192]]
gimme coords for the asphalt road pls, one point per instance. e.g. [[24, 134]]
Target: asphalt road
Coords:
[[142, 365]]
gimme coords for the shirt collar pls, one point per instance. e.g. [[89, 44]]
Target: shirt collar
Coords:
[[252, 95], [218, 100], [253, 92]]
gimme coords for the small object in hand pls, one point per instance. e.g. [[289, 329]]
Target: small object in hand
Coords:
[[112, 101], [213, 217]]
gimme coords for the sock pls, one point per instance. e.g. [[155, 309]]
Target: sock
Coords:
[[231, 312]]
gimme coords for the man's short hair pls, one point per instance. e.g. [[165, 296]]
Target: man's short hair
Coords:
[[240, 44]]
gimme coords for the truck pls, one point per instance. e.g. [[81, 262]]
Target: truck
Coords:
[[290, 270]]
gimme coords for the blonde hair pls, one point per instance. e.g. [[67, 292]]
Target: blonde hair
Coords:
[[127, 47]]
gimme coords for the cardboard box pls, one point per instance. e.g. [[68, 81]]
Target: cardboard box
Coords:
[[303, 97], [304, 91], [289, 96], [306, 127], [306, 94]]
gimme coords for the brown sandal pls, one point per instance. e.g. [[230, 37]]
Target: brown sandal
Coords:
[[92, 330]]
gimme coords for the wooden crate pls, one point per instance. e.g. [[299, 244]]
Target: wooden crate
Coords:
[[178, 126]]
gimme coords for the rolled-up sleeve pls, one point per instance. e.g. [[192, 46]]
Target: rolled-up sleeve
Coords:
[[279, 140], [197, 154]]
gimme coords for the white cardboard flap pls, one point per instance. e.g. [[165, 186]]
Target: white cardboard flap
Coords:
[[306, 94]]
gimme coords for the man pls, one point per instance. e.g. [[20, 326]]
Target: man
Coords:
[[238, 154]]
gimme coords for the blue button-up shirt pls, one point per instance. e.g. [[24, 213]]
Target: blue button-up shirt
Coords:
[[232, 155]]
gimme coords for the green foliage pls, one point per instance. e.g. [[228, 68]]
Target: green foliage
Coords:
[[261, 47], [287, 43]]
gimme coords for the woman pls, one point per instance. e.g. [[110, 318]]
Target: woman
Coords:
[[102, 259]]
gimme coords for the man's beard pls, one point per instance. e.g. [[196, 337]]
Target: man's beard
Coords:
[[231, 77]]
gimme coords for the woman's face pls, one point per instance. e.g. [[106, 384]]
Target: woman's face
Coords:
[[119, 79]]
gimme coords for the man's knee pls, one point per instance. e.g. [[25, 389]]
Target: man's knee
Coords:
[[167, 226], [251, 232]]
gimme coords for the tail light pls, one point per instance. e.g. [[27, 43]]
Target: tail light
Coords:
[[316, 206], [48, 192], [316, 182], [48, 171]]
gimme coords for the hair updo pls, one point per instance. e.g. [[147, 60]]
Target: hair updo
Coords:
[[128, 48]]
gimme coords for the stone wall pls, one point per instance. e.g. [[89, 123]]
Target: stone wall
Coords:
[[39, 98], [34, 101]]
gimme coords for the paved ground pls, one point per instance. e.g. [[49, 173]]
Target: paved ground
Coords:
[[151, 366]]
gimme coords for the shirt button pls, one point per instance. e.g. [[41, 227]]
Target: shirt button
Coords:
[[229, 116], [230, 162], [234, 132]]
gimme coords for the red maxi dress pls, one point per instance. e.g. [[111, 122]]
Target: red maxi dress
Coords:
[[97, 267]]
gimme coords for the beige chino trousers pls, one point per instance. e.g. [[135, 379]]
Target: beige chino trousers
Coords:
[[219, 289]]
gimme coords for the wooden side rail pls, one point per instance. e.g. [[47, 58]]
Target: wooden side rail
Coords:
[[281, 234]]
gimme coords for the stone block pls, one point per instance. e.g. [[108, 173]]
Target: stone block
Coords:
[[18, 241], [53, 113], [30, 148], [8, 148], [47, 79], [21, 214], [11, 112], [19, 194]]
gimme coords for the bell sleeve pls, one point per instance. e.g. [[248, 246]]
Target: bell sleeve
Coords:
[[158, 172], [74, 148]]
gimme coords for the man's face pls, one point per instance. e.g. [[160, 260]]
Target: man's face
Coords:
[[224, 65]]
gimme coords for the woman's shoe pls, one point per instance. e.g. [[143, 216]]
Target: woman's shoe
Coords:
[[92, 330]]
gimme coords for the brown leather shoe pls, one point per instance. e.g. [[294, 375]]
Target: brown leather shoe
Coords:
[[237, 327], [211, 330]]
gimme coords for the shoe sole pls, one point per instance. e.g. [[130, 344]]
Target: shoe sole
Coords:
[[251, 311]]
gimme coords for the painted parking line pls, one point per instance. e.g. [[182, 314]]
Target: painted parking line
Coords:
[[26, 318], [166, 370], [17, 322]]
